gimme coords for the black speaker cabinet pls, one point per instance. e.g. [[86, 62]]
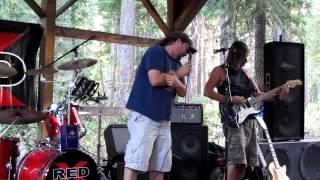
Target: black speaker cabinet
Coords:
[[190, 152], [284, 61], [301, 158], [189, 148]]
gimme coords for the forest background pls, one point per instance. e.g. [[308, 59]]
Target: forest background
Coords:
[[217, 25]]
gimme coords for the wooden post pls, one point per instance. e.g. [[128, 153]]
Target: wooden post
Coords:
[[46, 56]]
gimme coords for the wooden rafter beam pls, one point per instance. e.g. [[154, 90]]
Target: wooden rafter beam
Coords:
[[170, 14], [103, 36], [36, 8], [65, 7], [190, 11], [155, 15]]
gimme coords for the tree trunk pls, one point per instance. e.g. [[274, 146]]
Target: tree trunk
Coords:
[[260, 23], [126, 52]]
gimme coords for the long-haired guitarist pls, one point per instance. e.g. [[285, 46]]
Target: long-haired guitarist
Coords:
[[231, 86]]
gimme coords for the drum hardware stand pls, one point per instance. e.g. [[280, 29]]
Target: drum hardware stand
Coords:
[[100, 169], [9, 167], [7, 128]]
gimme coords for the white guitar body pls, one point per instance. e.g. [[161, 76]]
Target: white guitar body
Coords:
[[245, 112], [246, 109]]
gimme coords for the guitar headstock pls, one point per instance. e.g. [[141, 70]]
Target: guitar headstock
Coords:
[[293, 83]]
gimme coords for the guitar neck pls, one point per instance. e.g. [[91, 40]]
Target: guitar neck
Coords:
[[261, 157], [273, 152], [265, 95]]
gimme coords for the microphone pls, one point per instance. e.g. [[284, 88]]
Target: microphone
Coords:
[[215, 51], [189, 56]]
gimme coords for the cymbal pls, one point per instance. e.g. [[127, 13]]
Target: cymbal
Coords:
[[7, 71], [34, 72], [22, 116], [77, 64]]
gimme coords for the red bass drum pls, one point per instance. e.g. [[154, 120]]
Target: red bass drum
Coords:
[[47, 163]]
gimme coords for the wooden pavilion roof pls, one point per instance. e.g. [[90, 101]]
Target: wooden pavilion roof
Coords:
[[179, 14]]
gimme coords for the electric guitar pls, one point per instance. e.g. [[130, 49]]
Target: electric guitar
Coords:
[[239, 113], [276, 171]]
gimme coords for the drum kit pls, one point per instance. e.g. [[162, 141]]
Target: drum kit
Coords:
[[47, 160]]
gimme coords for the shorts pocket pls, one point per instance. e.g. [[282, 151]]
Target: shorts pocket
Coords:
[[132, 153], [139, 118]]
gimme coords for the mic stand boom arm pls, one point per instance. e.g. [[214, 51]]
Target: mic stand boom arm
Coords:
[[74, 49]]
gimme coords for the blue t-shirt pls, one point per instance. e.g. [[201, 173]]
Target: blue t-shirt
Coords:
[[154, 102]]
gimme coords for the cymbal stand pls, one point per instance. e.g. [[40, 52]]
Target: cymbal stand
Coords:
[[9, 167], [7, 128], [100, 169], [68, 98]]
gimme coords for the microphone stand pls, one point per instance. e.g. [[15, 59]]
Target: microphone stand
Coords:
[[74, 49], [187, 83], [102, 176], [228, 96]]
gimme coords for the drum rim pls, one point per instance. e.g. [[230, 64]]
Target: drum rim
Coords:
[[47, 164]]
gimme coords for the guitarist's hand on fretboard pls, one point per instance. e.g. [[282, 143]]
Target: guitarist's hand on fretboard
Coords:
[[284, 92]]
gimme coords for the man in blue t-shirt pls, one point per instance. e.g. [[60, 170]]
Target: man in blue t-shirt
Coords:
[[159, 78]]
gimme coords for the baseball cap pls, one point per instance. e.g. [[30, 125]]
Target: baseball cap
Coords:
[[184, 38]]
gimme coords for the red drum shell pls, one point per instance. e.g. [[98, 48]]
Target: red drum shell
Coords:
[[53, 123], [8, 150], [47, 163]]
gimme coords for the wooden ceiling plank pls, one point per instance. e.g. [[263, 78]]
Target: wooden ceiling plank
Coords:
[[190, 11], [66, 6], [104, 36], [155, 15], [36, 8]]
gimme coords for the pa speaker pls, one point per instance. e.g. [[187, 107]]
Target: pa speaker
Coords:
[[284, 61], [190, 152], [301, 158]]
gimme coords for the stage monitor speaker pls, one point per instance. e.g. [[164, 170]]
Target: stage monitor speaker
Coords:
[[116, 137], [301, 158], [190, 152], [284, 61]]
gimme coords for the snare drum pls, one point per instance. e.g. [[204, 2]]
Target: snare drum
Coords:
[[47, 163], [8, 156]]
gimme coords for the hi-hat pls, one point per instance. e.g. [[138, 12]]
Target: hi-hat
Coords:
[[7, 71], [34, 72], [21, 116], [76, 64]]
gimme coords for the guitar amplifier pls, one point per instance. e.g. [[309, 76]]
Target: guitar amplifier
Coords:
[[187, 113]]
